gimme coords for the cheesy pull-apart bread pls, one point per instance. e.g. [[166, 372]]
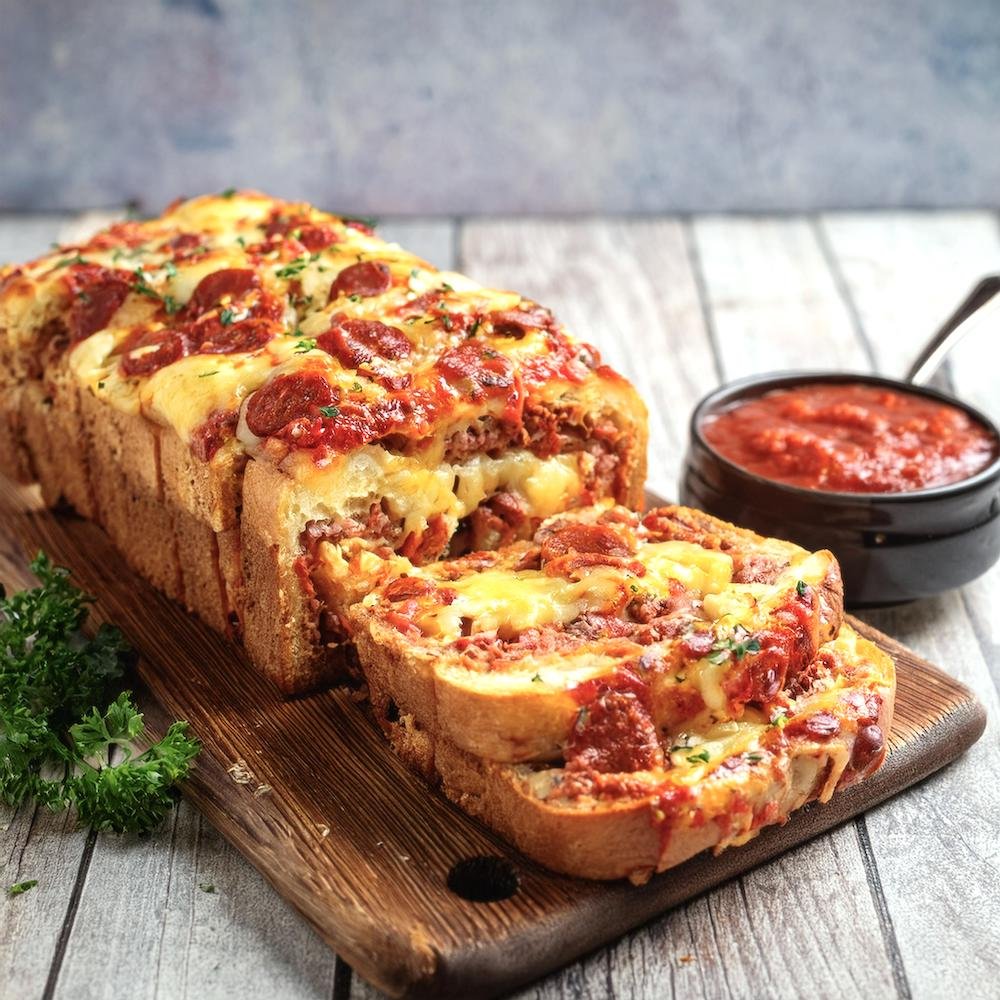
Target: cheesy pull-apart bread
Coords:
[[270, 409], [620, 692]]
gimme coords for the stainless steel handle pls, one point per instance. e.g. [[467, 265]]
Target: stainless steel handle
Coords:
[[981, 302]]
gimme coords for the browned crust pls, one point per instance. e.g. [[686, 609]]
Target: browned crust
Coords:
[[281, 619], [210, 491]]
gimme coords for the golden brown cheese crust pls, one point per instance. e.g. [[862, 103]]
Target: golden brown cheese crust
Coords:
[[406, 407], [503, 653], [346, 339]]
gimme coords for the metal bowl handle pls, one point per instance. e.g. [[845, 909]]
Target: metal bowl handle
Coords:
[[981, 302]]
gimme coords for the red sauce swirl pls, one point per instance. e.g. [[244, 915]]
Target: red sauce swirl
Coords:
[[852, 438]]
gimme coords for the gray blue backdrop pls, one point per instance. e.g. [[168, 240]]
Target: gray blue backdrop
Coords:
[[474, 107]]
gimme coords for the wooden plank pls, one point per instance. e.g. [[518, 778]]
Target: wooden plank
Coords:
[[209, 924], [902, 273], [35, 844], [362, 848], [773, 300], [626, 286]]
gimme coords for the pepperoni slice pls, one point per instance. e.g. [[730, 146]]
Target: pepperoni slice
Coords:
[[312, 235], [247, 335], [596, 539], [233, 281], [614, 733], [287, 398], [370, 277], [212, 434], [357, 342], [127, 233], [168, 346], [316, 238], [474, 363], [97, 294], [869, 747], [517, 322], [820, 726], [184, 241]]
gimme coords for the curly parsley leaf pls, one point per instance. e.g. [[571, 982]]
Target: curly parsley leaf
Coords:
[[293, 269], [133, 796], [55, 745]]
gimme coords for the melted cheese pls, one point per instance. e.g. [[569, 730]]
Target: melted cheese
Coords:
[[511, 603], [415, 488]]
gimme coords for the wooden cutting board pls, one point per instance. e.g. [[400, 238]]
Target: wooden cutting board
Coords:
[[310, 793]]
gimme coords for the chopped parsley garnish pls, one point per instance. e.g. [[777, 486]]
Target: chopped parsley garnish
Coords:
[[414, 272], [229, 192], [171, 268], [754, 757], [18, 888], [293, 268], [699, 758], [77, 259], [55, 744], [738, 644], [206, 887], [354, 298], [142, 286], [304, 345], [445, 287], [447, 321], [474, 329], [801, 588], [227, 316], [330, 411], [100, 385], [206, 374], [242, 242], [779, 721], [171, 305], [358, 387], [537, 679]]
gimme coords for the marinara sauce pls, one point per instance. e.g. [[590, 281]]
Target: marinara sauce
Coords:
[[852, 437]]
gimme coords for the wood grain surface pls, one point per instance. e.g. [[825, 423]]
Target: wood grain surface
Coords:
[[308, 791]]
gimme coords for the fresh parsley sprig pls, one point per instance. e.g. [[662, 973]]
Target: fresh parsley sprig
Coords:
[[55, 745]]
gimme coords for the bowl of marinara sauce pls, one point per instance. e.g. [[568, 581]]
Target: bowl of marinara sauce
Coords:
[[901, 482]]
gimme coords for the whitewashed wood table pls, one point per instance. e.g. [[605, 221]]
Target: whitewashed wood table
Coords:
[[902, 902]]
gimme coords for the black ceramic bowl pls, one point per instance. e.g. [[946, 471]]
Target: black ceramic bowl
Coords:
[[892, 547]]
